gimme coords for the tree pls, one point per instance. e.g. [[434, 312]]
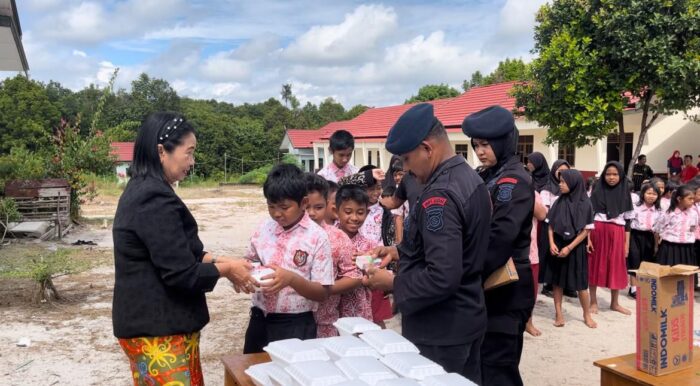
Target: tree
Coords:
[[476, 80], [507, 71], [432, 92], [150, 95], [354, 112], [593, 53], [26, 115], [330, 111]]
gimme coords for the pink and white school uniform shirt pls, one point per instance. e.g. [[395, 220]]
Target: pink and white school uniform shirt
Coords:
[[372, 227], [678, 226], [645, 217], [303, 249], [342, 252], [358, 302], [332, 172]]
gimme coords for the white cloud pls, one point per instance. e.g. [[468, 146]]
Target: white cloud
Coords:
[[92, 22], [82, 54], [515, 27], [358, 37], [222, 67]]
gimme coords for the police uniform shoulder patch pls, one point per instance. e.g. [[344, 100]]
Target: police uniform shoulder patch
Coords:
[[505, 192], [434, 208]]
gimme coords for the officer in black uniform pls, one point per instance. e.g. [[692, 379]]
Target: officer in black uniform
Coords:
[[438, 287], [494, 138]]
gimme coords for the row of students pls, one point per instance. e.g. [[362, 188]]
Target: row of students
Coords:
[[310, 241]]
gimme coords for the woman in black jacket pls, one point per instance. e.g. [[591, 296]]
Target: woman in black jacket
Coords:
[[162, 271]]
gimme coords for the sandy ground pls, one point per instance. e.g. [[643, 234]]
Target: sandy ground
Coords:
[[72, 341]]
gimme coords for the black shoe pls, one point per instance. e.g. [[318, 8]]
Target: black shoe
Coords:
[[547, 292], [631, 294], [570, 294]]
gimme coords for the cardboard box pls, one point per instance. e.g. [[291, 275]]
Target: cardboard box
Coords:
[[665, 297], [502, 276]]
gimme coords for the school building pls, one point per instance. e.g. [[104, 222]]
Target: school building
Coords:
[[669, 133]]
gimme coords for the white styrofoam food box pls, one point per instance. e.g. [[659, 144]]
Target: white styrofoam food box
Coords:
[[367, 369], [269, 374], [288, 351], [388, 342], [316, 373], [348, 346], [412, 365], [354, 325]]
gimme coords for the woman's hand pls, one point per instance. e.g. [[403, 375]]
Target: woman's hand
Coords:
[[238, 272], [589, 246]]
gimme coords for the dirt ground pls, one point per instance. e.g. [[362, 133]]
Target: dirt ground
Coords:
[[72, 341]]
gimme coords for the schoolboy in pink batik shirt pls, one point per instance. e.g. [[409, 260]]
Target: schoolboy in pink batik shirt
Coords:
[[347, 276], [299, 252]]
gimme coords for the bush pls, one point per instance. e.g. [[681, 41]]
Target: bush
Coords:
[[42, 270], [258, 176], [21, 164], [8, 214]]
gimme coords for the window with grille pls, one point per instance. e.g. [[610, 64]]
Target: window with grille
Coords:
[[462, 150], [568, 153], [525, 147]]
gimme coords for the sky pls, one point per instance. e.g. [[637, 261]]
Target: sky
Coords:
[[357, 52]]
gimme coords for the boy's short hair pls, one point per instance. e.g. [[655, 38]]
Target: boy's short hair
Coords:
[[316, 183], [389, 191], [641, 156], [689, 156], [332, 187], [285, 182], [341, 140], [351, 193]]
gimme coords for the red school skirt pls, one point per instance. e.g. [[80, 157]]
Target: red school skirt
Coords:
[[607, 266]]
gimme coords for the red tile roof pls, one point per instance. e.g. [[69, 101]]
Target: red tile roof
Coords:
[[376, 122], [475, 99], [124, 151]]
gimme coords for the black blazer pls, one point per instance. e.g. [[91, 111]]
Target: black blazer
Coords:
[[160, 280]]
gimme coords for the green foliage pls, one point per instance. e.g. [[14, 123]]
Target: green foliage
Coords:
[[432, 92], [150, 95], [42, 269], [477, 79], [21, 164], [123, 132], [75, 157], [354, 112], [26, 115], [507, 71], [592, 52], [258, 176], [8, 214]]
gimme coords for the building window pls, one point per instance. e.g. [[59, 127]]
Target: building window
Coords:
[[369, 157], [320, 163], [568, 153], [525, 147], [311, 166], [462, 150]]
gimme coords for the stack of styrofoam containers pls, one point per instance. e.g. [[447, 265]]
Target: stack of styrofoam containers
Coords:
[[364, 355]]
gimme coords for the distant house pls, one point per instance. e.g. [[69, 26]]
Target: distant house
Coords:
[[370, 130], [124, 153]]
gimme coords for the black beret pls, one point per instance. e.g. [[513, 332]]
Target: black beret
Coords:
[[491, 122], [411, 129]]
